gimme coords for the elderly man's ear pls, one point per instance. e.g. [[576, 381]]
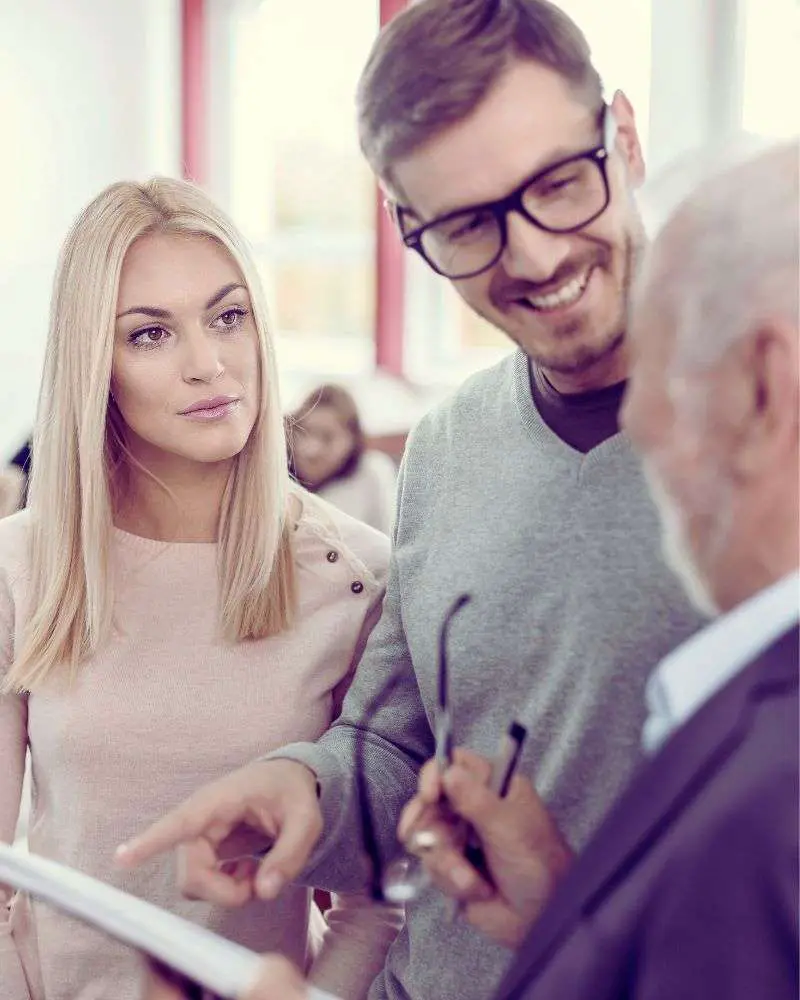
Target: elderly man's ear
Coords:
[[768, 365]]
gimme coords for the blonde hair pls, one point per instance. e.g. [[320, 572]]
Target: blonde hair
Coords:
[[79, 449]]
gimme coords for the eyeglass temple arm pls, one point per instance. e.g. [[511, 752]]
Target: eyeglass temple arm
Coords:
[[444, 727], [443, 737], [609, 128]]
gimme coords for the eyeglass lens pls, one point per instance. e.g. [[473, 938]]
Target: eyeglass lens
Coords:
[[560, 200]]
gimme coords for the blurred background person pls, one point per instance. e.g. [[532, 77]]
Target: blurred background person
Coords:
[[14, 481], [329, 456], [170, 603], [12, 489]]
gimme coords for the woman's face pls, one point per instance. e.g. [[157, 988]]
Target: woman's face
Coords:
[[321, 445], [185, 372]]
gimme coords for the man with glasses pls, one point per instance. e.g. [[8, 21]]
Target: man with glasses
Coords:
[[689, 889], [486, 124]]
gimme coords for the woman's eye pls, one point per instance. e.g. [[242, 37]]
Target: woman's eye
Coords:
[[149, 337], [231, 318]]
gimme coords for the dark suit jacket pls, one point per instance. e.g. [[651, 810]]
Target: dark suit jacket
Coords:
[[689, 889]]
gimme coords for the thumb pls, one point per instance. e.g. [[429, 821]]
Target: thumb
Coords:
[[469, 796], [300, 830]]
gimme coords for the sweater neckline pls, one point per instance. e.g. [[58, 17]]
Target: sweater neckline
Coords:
[[546, 438], [141, 543]]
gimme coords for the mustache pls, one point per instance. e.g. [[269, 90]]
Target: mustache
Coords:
[[509, 290]]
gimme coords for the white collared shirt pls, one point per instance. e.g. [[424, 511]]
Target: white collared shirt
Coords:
[[699, 667]]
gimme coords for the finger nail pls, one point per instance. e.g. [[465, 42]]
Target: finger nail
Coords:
[[123, 852], [423, 840], [270, 885], [462, 878]]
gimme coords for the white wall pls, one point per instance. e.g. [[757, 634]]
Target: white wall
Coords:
[[90, 95], [697, 75]]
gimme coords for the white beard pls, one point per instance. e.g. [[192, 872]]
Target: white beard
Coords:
[[675, 547]]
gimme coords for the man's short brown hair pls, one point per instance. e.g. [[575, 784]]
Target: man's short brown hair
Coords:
[[435, 62]]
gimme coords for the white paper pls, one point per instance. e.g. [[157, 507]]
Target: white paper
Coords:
[[225, 968]]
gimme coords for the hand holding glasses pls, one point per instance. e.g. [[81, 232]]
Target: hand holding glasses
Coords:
[[405, 877]]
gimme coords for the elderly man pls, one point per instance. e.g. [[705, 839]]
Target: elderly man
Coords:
[[689, 888]]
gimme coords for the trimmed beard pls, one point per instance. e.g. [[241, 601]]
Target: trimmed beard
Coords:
[[586, 357]]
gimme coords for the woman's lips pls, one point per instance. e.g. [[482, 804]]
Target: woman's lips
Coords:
[[211, 410]]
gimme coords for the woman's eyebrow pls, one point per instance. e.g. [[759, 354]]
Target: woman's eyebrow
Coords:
[[220, 295], [146, 311], [157, 313]]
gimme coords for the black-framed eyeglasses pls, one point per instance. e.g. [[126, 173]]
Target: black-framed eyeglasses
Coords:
[[401, 879], [563, 198]]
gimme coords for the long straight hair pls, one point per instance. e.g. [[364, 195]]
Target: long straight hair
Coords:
[[79, 447]]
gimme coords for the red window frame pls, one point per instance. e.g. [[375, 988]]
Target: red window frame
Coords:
[[390, 285], [389, 256], [194, 90]]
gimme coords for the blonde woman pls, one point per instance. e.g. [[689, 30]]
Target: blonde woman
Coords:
[[171, 606]]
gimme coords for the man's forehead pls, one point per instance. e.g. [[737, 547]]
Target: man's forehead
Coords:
[[530, 120]]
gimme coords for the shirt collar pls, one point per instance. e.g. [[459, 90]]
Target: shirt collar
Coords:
[[698, 668]]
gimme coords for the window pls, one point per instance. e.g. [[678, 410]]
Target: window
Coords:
[[300, 188], [771, 78], [444, 336]]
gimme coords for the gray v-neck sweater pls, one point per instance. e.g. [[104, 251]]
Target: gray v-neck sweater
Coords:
[[571, 609]]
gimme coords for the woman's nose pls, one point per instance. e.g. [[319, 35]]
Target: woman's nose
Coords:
[[201, 359]]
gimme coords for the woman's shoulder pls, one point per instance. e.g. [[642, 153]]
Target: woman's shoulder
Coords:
[[15, 533], [322, 525]]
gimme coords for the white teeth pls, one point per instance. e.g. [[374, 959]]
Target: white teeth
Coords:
[[565, 296]]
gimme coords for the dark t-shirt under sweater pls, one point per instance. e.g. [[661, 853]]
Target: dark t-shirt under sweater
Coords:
[[583, 420]]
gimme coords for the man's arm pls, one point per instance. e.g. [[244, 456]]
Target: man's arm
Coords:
[[724, 921]]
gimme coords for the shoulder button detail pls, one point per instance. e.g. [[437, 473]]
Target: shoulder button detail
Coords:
[[356, 586], [332, 556]]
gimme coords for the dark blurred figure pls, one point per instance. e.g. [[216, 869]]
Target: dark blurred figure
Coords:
[[14, 481], [328, 455]]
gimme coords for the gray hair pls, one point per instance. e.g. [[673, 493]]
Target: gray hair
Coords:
[[728, 253]]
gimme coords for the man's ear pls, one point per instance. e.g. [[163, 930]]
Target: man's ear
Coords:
[[628, 145], [770, 425]]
